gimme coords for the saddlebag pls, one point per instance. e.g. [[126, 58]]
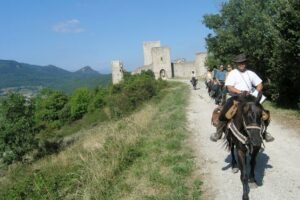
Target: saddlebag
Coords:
[[232, 110]]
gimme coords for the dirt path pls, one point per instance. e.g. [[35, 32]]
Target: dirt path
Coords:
[[278, 166]]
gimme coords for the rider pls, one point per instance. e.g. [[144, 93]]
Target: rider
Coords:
[[239, 81], [193, 75], [220, 75], [208, 79]]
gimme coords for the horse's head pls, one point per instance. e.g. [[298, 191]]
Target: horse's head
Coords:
[[251, 116]]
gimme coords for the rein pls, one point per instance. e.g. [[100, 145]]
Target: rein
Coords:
[[241, 137]]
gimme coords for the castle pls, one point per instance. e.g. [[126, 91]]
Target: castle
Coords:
[[158, 59]]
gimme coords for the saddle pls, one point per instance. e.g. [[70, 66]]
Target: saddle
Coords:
[[232, 111], [229, 114]]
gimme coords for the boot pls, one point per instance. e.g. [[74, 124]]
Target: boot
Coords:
[[268, 137], [218, 134]]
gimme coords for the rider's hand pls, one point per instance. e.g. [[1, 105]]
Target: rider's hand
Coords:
[[244, 93]]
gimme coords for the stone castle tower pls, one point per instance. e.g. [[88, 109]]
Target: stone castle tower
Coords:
[[161, 62], [117, 71], [147, 46], [158, 59]]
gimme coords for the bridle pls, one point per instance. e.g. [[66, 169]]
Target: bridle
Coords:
[[246, 139], [261, 129]]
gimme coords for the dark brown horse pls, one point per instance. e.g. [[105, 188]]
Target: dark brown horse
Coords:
[[244, 134], [194, 82]]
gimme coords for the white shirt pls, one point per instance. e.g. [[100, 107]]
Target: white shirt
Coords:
[[243, 81], [208, 76], [194, 75]]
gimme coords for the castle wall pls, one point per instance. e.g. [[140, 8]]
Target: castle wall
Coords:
[[161, 62], [184, 69], [158, 59], [147, 51], [200, 64], [117, 71], [142, 68]]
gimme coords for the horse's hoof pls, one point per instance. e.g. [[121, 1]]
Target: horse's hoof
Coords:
[[245, 197], [252, 180], [252, 183], [235, 170]]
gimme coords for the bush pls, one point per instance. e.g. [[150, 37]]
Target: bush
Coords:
[[132, 92], [16, 128], [99, 99], [79, 103], [52, 110]]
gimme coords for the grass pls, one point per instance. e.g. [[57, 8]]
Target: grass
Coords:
[[287, 114], [142, 156]]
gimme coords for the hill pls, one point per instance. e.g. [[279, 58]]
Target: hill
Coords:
[[16, 75], [141, 156]]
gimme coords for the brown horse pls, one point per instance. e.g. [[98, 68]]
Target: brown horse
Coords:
[[244, 133]]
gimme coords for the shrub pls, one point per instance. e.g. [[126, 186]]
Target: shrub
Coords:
[[51, 109], [132, 92], [16, 128], [99, 99], [79, 103]]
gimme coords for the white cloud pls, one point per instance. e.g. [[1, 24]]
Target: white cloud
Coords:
[[69, 26]]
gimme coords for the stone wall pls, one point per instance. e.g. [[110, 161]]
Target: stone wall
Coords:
[[200, 64], [142, 68], [161, 62], [158, 59], [117, 71], [184, 69], [147, 51]]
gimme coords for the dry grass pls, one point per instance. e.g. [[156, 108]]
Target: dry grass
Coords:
[[142, 156]]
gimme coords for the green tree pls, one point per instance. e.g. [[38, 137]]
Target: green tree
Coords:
[[79, 102], [268, 33], [99, 99], [16, 127], [52, 110]]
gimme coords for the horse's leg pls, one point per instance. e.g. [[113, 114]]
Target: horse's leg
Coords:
[[252, 165], [234, 166], [243, 168]]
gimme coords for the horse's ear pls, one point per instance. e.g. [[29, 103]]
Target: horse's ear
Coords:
[[258, 98]]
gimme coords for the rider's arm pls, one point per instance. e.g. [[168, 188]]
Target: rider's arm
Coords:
[[259, 87], [233, 90]]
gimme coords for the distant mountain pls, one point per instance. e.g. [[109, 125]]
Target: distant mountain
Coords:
[[87, 70], [15, 74]]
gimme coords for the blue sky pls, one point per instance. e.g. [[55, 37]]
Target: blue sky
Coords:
[[75, 33]]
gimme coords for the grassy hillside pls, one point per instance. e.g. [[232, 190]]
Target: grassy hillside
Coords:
[[142, 156], [15, 74]]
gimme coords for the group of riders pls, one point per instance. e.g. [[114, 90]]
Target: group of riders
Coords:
[[239, 114], [226, 86]]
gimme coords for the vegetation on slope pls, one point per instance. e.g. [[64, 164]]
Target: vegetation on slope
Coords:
[[141, 156], [32, 128]]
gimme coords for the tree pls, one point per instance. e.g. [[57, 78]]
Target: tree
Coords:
[[268, 33], [79, 102], [51, 109], [16, 127]]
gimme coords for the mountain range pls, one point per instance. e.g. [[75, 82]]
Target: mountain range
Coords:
[[14, 74]]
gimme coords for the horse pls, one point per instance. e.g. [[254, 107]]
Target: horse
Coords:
[[194, 82], [244, 133], [218, 93]]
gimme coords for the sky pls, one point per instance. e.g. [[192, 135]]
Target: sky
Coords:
[[74, 33]]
